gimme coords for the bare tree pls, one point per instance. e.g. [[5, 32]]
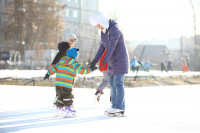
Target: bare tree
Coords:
[[32, 24]]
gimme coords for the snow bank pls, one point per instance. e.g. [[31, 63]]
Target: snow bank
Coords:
[[40, 73]]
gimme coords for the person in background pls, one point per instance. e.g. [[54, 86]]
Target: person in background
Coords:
[[169, 65], [184, 65], [147, 64], [187, 59], [63, 47], [117, 58], [163, 67], [134, 63]]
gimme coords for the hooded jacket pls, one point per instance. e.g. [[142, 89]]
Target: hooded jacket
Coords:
[[62, 47], [117, 55], [66, 71]]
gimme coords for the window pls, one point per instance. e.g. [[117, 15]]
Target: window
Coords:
[[75, 13], [68, 0]]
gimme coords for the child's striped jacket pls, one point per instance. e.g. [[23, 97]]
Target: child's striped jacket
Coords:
[[66, 70]]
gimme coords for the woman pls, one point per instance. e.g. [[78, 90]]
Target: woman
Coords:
[[117, 58]]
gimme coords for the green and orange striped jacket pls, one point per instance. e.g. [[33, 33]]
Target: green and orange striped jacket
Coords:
[[66, 70]]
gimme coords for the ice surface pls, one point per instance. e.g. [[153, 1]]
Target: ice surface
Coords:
[[169, 109]]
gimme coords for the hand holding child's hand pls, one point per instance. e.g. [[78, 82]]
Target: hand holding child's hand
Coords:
[[93, 63], [93, 68]]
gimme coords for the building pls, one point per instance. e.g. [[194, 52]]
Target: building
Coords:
[[3, 17], [76, 20]]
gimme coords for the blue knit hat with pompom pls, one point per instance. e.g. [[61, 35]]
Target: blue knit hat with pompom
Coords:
[[72, 52]]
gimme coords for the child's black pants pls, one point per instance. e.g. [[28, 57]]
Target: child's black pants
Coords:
[[64, 96]]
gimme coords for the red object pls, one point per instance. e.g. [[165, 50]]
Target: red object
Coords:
[[104, 68], [185, 67]]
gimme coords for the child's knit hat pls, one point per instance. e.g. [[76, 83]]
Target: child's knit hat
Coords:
[[72, 52]]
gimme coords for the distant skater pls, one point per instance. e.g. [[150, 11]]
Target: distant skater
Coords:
[[163, 67], [169, 66]]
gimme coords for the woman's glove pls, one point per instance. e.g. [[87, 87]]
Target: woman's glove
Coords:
[[93, 68], [93, 63]]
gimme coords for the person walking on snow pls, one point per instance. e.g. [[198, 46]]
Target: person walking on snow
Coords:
[[169, 65], [66, 71], [117, 58], [163, 67]]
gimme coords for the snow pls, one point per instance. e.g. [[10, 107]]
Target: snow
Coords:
[[166, 109], [40, 73]]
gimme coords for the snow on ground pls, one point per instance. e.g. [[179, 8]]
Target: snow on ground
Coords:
[[169, 109], [40, 73]]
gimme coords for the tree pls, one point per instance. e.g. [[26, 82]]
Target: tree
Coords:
[[32, 24]]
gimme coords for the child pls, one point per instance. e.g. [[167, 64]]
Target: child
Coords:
[[104, 82], [66, 70]]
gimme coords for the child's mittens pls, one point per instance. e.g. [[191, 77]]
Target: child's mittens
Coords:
[[46, 76]]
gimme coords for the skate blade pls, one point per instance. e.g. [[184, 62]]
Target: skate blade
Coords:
[[73, 116], [115, 114]]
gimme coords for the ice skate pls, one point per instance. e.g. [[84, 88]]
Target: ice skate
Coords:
[[60, 112], [69, 112], [108, 110], [116, 113]]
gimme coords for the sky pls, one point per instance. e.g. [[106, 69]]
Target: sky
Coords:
[[151, 19]]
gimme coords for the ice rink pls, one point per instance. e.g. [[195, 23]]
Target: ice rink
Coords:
[[169, 109]]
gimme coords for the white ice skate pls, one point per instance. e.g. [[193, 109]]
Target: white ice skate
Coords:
[[108, 110], [115, 112], [69, 112], [60, 112]]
